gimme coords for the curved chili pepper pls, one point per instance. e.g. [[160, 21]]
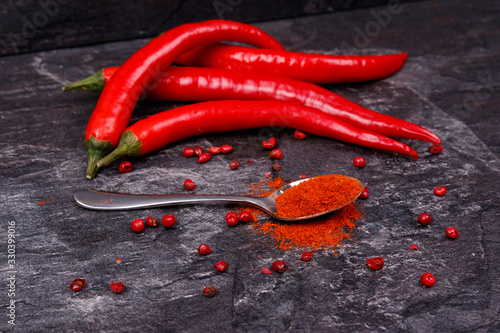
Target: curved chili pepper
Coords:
[[204, 84], [309, 67], [156, 131], [118, 99]]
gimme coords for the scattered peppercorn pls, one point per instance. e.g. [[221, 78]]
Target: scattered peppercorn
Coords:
[[375, 263], [306, 256], [413, 247], [117, 287], [435, 149], [234, 165], [189, 184], [276, 153], [267, 174], [428, 279], [232, 219], [266, 271], [269, 144], [226, 149], [245, 216], [452, 232], [198, 150], [168, 221], [221, 266], [204, 157], [214, 150], [152, 221], [440, 190], [358, 162], [299, 135], [424, 219], [125, 167], [204, 249], [118, 260], [276, 167], [209, 291], [137, 225], [188, 152], [279, 266], [364, 193], [302, 176], [77, 284]]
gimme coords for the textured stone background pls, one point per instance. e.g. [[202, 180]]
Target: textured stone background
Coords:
[[450, 85]]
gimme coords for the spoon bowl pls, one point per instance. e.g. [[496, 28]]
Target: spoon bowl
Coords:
[[100, 200]]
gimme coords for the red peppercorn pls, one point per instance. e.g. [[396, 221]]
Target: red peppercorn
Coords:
[[77, 284], [279, 266], [226, 149], [209, 291], [440, 190], [137, 225], [358, 162], [306, 256], [364, 193], [221, 266], [189, 184], [125, 167], [234, 165], [276, 153], [117, 287], [266, 270], [452, 232], [413, 247], [276, 167], [424, 219], [198, 150], [245, 216], [267, 174], [269, 144], [302, 176], [188, 152], [214, 150], [204, 249], [232, 218], [375, 263], [204, 157], [152, 221], [436, 149], [428, 279], [299, 135], [168, 221]]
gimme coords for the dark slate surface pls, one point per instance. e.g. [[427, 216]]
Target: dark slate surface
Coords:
[[453, 62]]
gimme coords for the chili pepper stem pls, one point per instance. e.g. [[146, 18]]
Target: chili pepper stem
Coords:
[[96, 149], [94, 82], [129, 145]]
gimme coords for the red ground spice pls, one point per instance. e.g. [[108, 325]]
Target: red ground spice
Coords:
[[325, 232], [316, 195]]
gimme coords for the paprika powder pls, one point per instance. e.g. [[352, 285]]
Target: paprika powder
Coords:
[[317, 195]]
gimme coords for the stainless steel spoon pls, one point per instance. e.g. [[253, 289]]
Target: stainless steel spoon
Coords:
[[99, 200]]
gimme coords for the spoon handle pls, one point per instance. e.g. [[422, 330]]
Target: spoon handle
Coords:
[[98, 200]]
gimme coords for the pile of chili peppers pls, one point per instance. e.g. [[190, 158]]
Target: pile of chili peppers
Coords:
[[240, 88]]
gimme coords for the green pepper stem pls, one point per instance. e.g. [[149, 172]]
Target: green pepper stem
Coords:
[[96, 149], [129, 145], [94, 82]]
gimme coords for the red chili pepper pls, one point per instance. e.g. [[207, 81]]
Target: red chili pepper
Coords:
[[166, 127], [118, 99], [310, 67], [205, 84]]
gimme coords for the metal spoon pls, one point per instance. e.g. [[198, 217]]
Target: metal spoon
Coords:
[[99, 200]]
